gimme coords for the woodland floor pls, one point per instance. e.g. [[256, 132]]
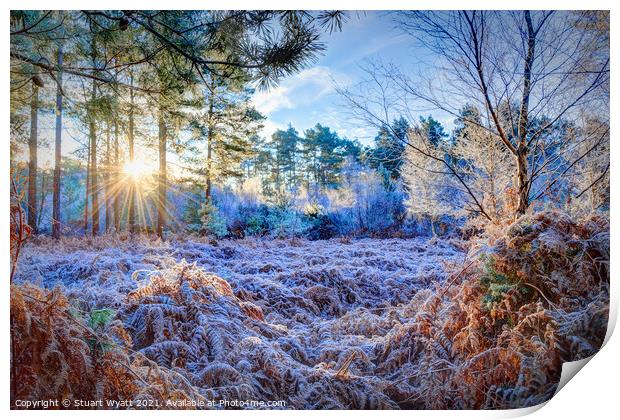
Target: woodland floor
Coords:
[[376, 273], [322, 304], [343, 323]]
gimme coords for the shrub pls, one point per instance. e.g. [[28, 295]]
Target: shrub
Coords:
[[320, 226], [286, 223], [256, 224], [498, 285], [253, 218], [376, 210], [212, 221]]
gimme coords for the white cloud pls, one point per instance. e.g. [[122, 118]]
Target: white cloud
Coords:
[[272, 100], [270, 126], [304, 88]]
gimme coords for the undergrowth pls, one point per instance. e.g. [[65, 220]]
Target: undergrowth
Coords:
[[492, 334]]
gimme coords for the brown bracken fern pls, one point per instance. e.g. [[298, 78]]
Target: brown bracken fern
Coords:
[[325, 334]]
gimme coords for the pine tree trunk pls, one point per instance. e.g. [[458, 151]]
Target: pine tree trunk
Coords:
[[132, 185], [208, 176], [41, 201], [57, 152], [210, 139], [94, 185], [106, 181], [117, 213], [87, 194], [161, 202], [32, 163]]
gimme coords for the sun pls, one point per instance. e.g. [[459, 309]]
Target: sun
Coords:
[[137, 170]]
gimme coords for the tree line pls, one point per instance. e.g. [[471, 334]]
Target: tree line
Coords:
[[114, 74], [528, 93]]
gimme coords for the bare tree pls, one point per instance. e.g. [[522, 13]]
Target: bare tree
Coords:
[[590, 178], [487, 165], [377, 100], [511, 58], [528, 71], [427, 180]]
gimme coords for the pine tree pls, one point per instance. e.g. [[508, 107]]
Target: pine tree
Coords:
[[389, 148], [284, 144]]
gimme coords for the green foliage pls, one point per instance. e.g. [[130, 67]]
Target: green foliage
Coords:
[[192, 214], [434, 130], [283, 218], [212, 221], [286, 223], [98, 320], [325, 154], [288, 160], [256, 224], [497, 285], [286, 150]]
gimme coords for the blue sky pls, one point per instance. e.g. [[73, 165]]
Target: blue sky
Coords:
[[309, 97]]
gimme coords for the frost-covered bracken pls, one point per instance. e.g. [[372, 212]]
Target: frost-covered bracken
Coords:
[[344, 323]]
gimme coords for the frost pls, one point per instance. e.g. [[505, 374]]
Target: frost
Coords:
[[295, 320], [349, 324]]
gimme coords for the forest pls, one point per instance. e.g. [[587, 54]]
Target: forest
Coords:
[[426, 228]]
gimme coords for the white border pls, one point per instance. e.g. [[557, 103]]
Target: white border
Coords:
[[594, 394]]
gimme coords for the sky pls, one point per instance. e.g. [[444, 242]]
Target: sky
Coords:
[[309, 97]]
